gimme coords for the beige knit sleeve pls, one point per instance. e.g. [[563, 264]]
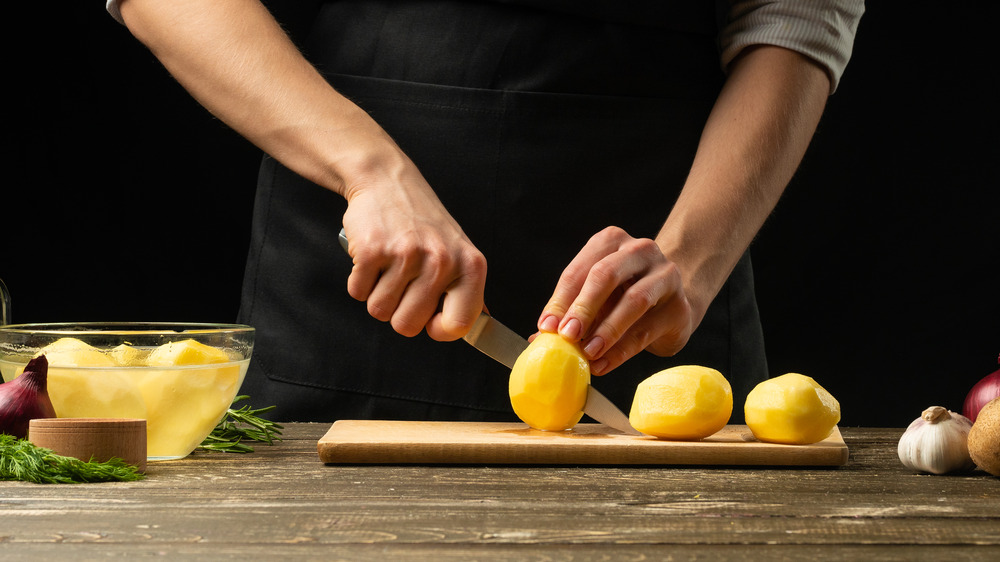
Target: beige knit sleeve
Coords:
[[822, 30]]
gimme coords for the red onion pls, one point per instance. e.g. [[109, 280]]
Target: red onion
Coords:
[[985, 390], [25, 398]]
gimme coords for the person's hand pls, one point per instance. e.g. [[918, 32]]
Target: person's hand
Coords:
[[618, 296], [413, 265]]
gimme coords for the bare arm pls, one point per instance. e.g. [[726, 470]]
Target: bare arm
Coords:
[[753, 142], [621, 295], [409, 253]]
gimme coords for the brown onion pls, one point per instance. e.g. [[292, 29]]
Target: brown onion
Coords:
[[985, 390], [25, 398]]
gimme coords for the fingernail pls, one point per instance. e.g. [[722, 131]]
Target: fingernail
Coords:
[[594, 346], [598, 367], [549, 323], [571, 329]]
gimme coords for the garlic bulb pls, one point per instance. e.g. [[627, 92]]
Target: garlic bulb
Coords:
[[936, 442]]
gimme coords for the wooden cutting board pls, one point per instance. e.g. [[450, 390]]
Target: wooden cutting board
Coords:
[[415, 442]]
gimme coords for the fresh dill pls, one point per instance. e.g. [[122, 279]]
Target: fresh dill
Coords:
[[22, 460]]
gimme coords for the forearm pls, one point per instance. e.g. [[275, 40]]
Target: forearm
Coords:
[[753, 141], [409, 254], [238, 63]]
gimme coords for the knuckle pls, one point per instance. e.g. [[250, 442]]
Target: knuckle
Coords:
[[379, 311], [583, 311], [604, 274], [555, 306], [404, 327], [610, 232], [647, 248], [474, 260], [438, 256], [640, 297], [356, 290], [611, 332], [403, 247], [410, 255], [635, 339], [572, 272], [452, 328], [366, 258], [474, 267]]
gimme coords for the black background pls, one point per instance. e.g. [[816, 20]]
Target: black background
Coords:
[[877, 274]]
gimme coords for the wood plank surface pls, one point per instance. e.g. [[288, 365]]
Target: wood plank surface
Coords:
[[393, 442], [282, 501]]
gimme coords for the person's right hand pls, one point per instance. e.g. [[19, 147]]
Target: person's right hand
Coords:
[[413, 265]]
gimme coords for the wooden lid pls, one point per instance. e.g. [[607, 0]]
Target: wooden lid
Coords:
[[97, 439]]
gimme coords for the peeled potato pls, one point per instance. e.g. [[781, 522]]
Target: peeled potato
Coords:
[[185, 405], [684, 403], [185, 402], [793, 409], [548, 384], [125, 355], [77, 393], [185, 352], [82, 384], [71, 352]]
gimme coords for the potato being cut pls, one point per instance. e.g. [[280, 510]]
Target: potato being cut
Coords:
[[548, 384]]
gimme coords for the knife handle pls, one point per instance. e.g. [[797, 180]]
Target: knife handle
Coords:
[[343, 240]]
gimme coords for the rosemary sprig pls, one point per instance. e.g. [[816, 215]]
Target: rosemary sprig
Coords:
[[22, 460], [241, 425]]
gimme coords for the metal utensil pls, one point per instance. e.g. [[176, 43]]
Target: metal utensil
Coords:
[[496, 340], [504, 345]]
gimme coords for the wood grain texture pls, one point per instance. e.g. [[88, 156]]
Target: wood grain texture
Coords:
[[282, 501], [97, 439], [394, 442]]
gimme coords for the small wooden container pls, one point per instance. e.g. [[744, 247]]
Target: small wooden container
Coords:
[[97, 439]]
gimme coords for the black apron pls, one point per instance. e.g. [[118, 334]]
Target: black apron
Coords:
[[537, 128]]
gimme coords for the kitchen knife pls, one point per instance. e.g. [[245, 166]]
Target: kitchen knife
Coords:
[[504, 345]]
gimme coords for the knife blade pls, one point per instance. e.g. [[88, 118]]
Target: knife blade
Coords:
[[496, 340], [502, 344], [604, 411]]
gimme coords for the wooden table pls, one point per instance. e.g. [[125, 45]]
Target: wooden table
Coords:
[[282, 502]]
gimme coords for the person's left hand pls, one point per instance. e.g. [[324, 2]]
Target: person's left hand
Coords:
[[618, 296]]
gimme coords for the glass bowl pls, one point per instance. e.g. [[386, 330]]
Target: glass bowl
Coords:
[[180, 377]]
